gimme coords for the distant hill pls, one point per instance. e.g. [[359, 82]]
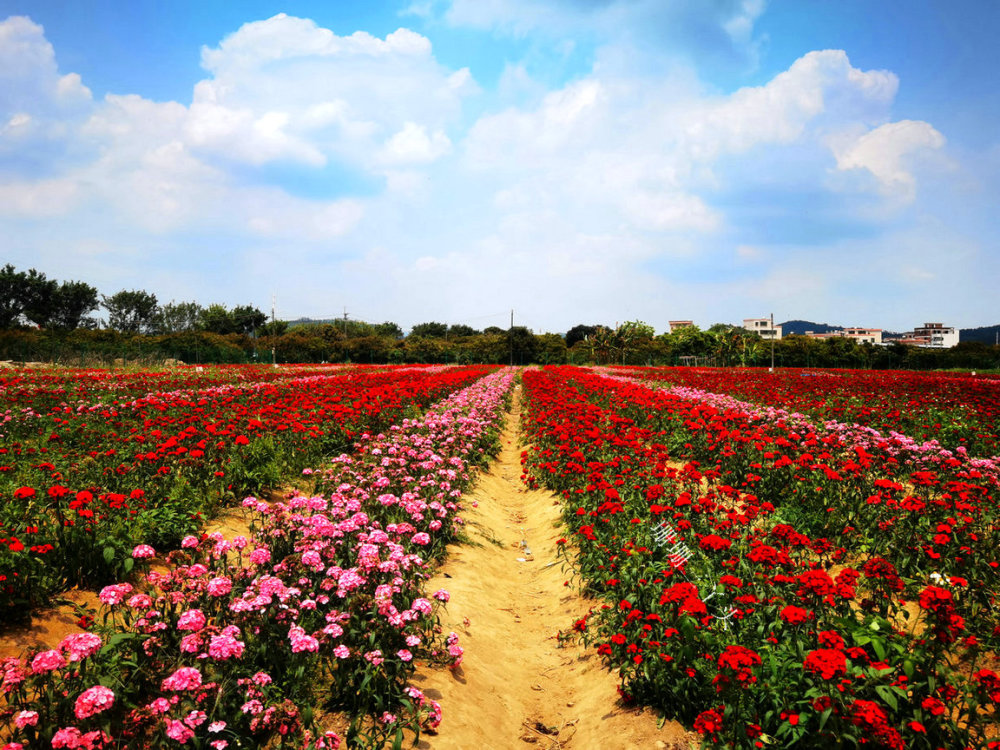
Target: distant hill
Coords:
[[799, 327], [986, 334]]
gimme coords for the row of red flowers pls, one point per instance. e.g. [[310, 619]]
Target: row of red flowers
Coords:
[[955, 409], [768, 586], [260, 641], [90, 466]]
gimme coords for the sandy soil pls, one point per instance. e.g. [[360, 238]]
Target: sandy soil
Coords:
[[517, 687]]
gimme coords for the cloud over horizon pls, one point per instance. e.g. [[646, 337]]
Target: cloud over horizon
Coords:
[[353, 169]]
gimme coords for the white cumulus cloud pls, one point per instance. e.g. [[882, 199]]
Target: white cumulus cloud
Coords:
[[883, 151]]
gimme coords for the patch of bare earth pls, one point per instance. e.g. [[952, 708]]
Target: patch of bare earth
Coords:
[[516, 686]]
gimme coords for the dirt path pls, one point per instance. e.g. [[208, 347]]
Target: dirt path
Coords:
[[516, 686]]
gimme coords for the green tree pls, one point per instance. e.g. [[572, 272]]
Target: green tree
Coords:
[[551, 349], [523, 345], [74, 302], [217, 318], [460, 330], [12, 286], [579, 333], [388, 330], [429, 330], [247, 319], [132, 311], [39, 298], [178, 317]]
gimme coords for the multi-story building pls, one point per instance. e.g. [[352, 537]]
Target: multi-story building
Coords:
[[936, 336], [861, 335], [678, 324], [763, 327]]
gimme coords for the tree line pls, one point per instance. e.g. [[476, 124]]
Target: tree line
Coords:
[[48, 320]]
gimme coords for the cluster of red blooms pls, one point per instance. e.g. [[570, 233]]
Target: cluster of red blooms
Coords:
[[628, 459], [87, 454]]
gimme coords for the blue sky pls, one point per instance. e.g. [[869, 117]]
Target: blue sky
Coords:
[[576, 160]]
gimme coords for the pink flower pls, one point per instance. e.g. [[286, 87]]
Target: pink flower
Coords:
[[422, 538], [404, 654], [115, 594], [191, 644], [47, 661], [140, 601], [342, 652], [69, 737], [177, 730], [185, 678], [220, 586], [93, 701], [143, 552], [26, 719], [223, 647], [260, 556], [441, 595], [193, 619], [159, 706], [216, 726], [189, 542], [80, 645], [374, 657]]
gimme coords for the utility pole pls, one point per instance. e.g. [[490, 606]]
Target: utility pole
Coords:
[[773, 335], [274, 330], [345, 321], [510, 335]]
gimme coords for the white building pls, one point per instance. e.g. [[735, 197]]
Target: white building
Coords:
[[936, 336], [861, 335], [763, 327], [676, 325]]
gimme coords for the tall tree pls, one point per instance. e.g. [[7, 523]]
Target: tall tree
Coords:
[[12, 285], [132, 311], [178, 317], [388, 330], [74, 302], [217, 319], [248, 320], [39, 297], [578, 333], [460, 330], [430, 330]]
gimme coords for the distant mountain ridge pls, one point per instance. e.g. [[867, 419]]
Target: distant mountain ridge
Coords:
[[984, 334], [799, 327]]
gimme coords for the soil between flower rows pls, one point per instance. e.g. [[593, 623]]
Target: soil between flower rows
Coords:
[[516, 686]]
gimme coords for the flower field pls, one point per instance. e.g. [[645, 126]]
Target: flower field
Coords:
[[771, 571], [93, 463], [313, 620]]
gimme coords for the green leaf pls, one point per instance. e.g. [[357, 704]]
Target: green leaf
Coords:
[[888, 696], [825, 717], [908, 668], [879, 645], [109, 554]]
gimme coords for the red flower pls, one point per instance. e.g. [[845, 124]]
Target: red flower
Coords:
[[24, 493], [826, 662]]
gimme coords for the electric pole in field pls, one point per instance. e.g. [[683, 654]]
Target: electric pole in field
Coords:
[[274, 330], [773, 335], [510, 335]]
